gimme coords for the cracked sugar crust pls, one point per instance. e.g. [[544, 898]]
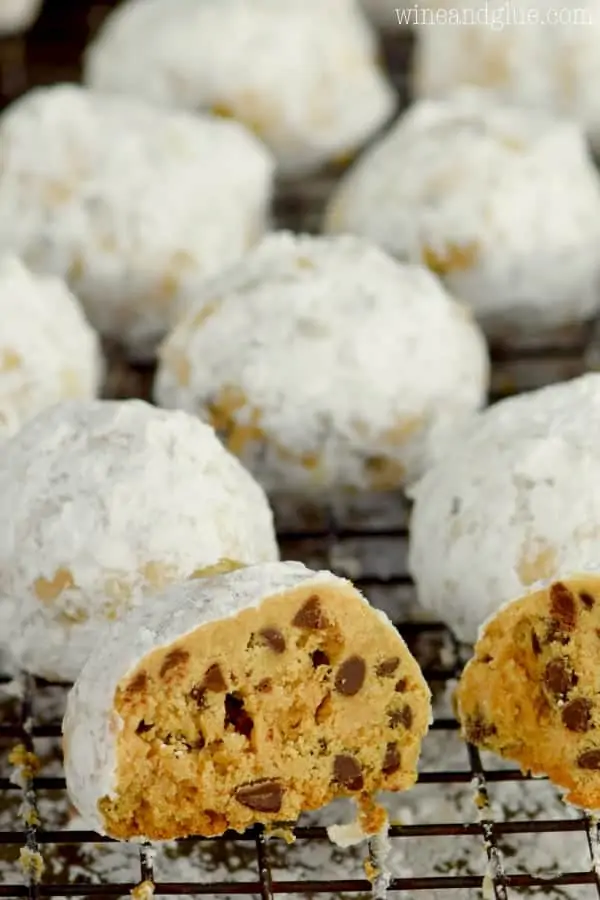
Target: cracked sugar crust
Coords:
[[502, 203], [530, 693], [103, 504], [244, 698], [554, 68], [303, 76], [127, 202], [514, 501], [323, 363], [18, 15], [48, 351]]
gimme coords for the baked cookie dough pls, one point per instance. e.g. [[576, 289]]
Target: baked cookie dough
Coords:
[[18, 15], [323, 364], [531, 691], [127, 202], [514, 501], [103, 504], [302, 75], [503, 204], [552, 63], [48, 351], [248, 697]]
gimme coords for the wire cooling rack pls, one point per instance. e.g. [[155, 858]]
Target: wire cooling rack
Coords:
[[44, 852]]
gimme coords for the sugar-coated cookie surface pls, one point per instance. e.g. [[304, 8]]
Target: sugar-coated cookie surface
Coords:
[[247, 697], [551, 63], [531, 691], [514, 501], [324, 363], [502, 203], [127, 202], [18, 15], [48, 351], [102, 504], [303, 76]]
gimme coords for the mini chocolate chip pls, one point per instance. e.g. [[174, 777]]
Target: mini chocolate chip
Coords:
[[485, 659], [214, 680], [391, 760], [179, 740], [402, 717], [274, 639], [200, 742], [535, 644], [387, 668], [577, 715], [478, 731], [562, 605], [138, 684], [587, 599], [559, 677], [264, 686], [556, 632], [319, 658], [143, 728], [400, 686], [347, 772], [236, 715], [311, 615], [263, 796], [174, 660], [198, 695], [351, 676], [589, 759]]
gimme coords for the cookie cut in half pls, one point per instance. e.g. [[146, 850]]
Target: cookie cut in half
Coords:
[[530, 693], [244, 698]]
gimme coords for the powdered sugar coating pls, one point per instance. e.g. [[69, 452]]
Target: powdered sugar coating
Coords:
[[127, 202], [514, 502], [503, 203], [48, 351], [326, 364], [303, 75], [18, 15], [531, 52], [103, 504], [91, 726]]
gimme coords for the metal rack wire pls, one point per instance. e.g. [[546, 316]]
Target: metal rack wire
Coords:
[[331, 537]]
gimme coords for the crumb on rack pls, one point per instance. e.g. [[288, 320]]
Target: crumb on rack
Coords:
[[26, 765], [32, 863], [285, 832], [143, 891]]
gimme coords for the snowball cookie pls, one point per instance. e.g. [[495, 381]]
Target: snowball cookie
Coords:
[[504, 204], [556, 67], [127, 202], [531, 691], [323, 363], [48, 351], [102, 504], [18, 15], [248, 697], [513, 502], [303, 76]]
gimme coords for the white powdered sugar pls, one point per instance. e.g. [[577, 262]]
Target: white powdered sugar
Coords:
[[102, 504], [532, 52], [513, 502], [18, 15], [127, 202], [302, 75], [326, 364], [48, 351], [503, 203]]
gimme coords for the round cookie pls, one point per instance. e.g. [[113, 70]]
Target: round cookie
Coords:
[[127, 202], [102, 504], [325, 364], [514, 501], [302, 76], [18, 15], [531, 691], [249, 697], [552, 63], [48, 351], [502, 203]]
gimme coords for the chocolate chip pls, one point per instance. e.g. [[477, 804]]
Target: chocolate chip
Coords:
[[391, 760], [263, 796], [264, 686], [236, 715], [478, 731], [535, 644], [214, 680], [350, 676], [589, 759], [387, 668], [400, 686], [174, 660], [402, 717], [556, 632], [198, 695], [485, 659], [347, 772], [200, 742], [559, 677], [577, 715], [562, 606], [587, 599], [319, 658], [311, 615], [274, 639], [143, 728]]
